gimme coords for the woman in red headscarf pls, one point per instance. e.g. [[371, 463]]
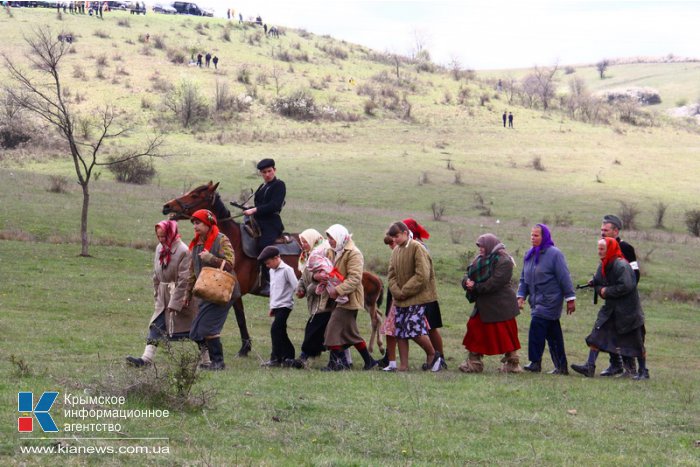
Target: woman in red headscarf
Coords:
[[171, 265], [209, 248], [619, 327]]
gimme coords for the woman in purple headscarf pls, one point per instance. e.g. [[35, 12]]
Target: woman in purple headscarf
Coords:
[[546, 283]]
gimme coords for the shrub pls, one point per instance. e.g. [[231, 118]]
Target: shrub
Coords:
[[102, 60], [537, 164], [138, 170], [101, 34], [484, 98], [158, 42], [438, 211], [628, 214], [243, 75], [569, 70], [659, 215], [458, 179], [370, 107], [58, 184], [187, 103], [299, 106], [12, 134], [177, 56], [78, 72], [692, 221], [124, 22]]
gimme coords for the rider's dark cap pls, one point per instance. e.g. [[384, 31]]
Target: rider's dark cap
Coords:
[[265, 163]]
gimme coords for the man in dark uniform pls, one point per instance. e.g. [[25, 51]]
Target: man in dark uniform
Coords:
[[269, 200], [611, 228]]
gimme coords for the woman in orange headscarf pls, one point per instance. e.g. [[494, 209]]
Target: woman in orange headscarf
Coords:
[[619, 327]]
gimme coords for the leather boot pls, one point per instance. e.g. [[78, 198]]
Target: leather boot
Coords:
[[216, 353], [533, 367], [615, 367], [586, 369]]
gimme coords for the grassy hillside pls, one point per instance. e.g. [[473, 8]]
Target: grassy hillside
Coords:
[[677, 83], [73, 320]]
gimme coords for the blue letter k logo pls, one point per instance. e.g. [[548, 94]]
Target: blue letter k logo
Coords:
[[25, 403]]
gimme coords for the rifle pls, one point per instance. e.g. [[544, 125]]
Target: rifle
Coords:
[[589, 286]]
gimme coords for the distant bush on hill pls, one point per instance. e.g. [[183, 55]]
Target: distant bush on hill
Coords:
[[139, 171], [300, 106], [645, 96]]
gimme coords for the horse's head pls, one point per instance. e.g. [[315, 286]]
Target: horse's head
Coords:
[[183, 207]]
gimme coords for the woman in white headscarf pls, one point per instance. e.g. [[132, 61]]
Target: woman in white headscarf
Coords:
[[311, 241], [342, 331]]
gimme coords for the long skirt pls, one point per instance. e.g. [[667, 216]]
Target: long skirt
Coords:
[[313, 334], [342, 328], [157, 331], [209, 321], [491, 338], [607, 339]]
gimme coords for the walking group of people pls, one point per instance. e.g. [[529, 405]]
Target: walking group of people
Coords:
[[331, 279], [208, 59]]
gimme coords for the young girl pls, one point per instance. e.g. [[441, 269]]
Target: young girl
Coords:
[[209, 248]]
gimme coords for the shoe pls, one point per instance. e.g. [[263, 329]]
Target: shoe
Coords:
[[443, 363], [612, 371], [558, 371], [271, 363], [436, 364], [389, 369], [626, 374], [642, 375], [293, 363], [586, 369], [137, 362], [245, 349], [533, 367], [215, 366], [372, 364]]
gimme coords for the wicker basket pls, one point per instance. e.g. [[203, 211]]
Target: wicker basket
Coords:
[[214, 285]]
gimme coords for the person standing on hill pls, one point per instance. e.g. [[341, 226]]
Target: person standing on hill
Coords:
[[199, 59], [215, 61], [505, 118], [207, 57], [611, 226], [510, 119], [269, 200]]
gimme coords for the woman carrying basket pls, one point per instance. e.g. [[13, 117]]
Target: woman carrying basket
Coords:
[[209, 248]]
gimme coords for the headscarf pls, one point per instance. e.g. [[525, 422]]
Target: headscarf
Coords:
[[208, 218], [482, 266], [171, 236], [314, 239], [546, 243], [612, 252], [341, 236], [419, 232]]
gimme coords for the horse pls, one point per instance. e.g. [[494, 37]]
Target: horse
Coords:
[[246, 268]]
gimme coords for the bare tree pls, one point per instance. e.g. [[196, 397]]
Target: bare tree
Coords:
[[546, 83], [43, 97], [602, 66]]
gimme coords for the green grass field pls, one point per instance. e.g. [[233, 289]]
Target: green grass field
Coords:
[[73, 320]]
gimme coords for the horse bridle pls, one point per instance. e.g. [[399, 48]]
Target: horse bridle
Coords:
[[206, 200]]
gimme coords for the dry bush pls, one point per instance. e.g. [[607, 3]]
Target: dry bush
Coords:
[[101, 34], [159, 42], [458, 179], [659, 215], [138, 171], [299, 106], [146, 50], [58, 184], [438, 210], [370, 107], [146, 103], [480, 204], [78, 72], [159, 83], [124, 22], [20, 368], [176, 56], [537, 164], [244, 75], [457, 235], [563, 220], [692, 222], [17, 235], [117, 57], [100, 73], [122, 71], [628, 215], [423, 178]]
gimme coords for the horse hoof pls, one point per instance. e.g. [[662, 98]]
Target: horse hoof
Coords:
[[245, 349]]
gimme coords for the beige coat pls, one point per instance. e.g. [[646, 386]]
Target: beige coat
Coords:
[[170, 287], [351, 265], [411, 275]]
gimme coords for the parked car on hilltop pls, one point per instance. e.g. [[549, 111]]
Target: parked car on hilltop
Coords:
[[163, 8], [188, 8]]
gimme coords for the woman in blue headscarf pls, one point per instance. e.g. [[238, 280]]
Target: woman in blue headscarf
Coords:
[[546, 283]]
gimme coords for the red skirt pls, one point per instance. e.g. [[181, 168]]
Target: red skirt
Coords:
[[491, 338]]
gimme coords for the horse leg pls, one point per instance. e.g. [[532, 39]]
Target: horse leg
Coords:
[[380, 342], [242, 328], [372, 334]]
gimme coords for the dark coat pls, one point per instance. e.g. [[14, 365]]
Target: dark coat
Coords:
[[269, 200], [495, 298], [621, 297]]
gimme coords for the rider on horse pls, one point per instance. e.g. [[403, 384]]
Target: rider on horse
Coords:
[[269, 200]]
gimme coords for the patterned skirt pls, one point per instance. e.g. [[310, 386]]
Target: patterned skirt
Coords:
[[491, 338], [410, 322]]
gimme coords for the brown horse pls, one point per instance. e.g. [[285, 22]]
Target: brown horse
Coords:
[[206, 197]]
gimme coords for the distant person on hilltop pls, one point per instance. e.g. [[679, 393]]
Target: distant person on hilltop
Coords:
[[510, 119], [505, 117], [216, 62], [199, 59], [240, 17], [208, 59]]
